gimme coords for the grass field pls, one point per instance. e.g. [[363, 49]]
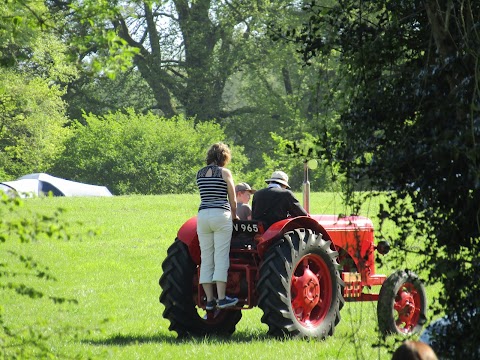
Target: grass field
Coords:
[[114, 278]]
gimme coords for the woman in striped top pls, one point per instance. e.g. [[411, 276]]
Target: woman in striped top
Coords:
[[214, 224]]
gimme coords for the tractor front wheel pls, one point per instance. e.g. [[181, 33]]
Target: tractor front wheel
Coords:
[[178, 296], [300, 286], [402, 304]]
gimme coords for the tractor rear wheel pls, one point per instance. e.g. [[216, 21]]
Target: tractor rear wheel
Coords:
[[300, 286], [402, 304], [178, 296]]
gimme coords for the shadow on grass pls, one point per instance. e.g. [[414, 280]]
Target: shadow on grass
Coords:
[[131, 339]]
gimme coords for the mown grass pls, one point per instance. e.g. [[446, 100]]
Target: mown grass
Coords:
[[113, 279]]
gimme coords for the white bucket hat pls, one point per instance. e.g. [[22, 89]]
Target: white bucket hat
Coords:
[[279, 177]]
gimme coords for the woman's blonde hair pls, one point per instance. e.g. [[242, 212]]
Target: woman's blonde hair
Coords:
[[219, 154]]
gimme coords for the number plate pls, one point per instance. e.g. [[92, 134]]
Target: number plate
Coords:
[[247, 227]]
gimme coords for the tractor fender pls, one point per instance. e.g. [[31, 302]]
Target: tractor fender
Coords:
[[276, 231], [188, 235]]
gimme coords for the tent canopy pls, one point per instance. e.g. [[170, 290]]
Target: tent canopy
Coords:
[[41, 184]]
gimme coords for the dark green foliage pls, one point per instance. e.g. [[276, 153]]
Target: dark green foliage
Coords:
[[413, 126], [102, 95], [140, 154]]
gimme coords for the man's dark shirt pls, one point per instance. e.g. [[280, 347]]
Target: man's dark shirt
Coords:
[[273, 204]]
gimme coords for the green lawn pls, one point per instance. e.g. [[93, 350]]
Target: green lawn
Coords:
[[114, 278]]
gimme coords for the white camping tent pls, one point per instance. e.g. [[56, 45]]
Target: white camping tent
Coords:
[[23, 188], [40, 184]]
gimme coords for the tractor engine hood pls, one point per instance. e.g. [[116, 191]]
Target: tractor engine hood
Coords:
[[344, 223]]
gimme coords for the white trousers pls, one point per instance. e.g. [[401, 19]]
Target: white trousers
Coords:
[[214, 229]]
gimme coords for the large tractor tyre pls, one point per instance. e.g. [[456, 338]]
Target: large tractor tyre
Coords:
[[178, 298], [402, 304], [300, 286]]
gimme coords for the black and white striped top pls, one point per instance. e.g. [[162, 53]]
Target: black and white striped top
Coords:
[[213, 189]]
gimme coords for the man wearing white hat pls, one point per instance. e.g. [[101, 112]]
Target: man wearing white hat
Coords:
[[276, 202]]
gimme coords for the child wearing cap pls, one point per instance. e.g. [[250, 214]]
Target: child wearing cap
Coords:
[[244, 192]]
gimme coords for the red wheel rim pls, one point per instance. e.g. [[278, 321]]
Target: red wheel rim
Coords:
[[311, 290], [407, 308]]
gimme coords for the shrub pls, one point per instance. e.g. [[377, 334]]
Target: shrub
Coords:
[[140, 154]]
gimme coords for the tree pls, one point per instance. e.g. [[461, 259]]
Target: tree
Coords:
[[17, 29], [32, 69], [290, 100], [412, 126], [102, 95], [184, 50], [32, 123], [211, 60]]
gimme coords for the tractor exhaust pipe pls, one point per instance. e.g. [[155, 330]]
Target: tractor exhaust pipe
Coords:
[[310, 164], [306, 188]]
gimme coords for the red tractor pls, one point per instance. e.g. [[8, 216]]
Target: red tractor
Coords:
[[299, 271]]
